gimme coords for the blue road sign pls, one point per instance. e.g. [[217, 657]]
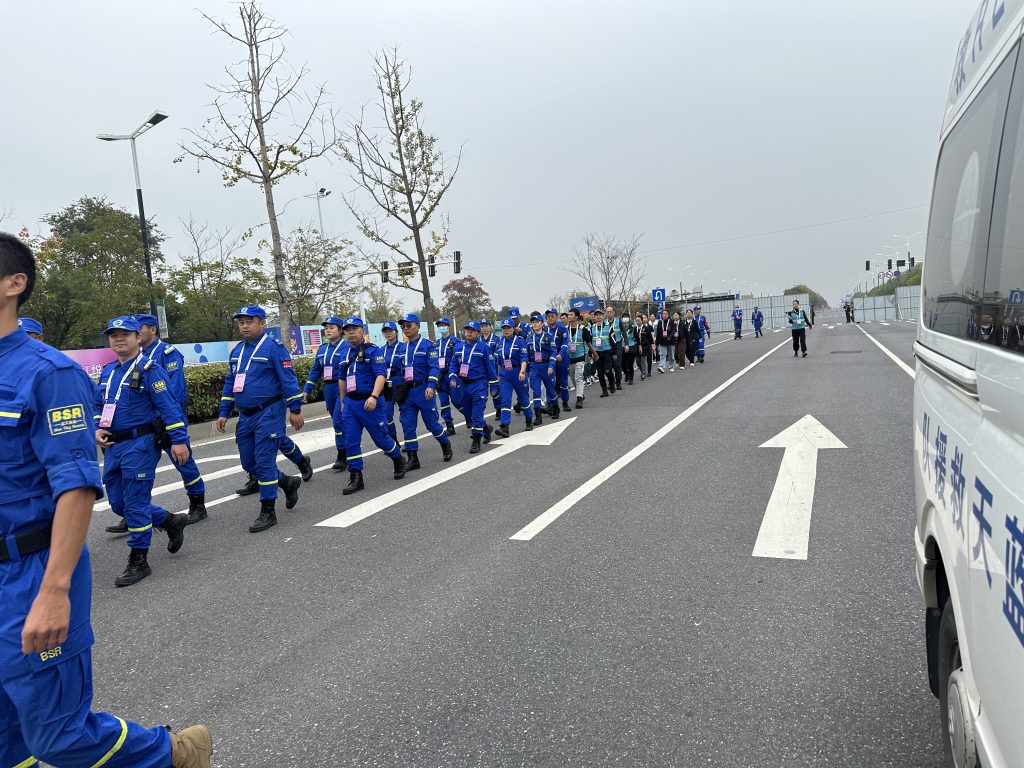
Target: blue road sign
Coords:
[[896, 273], [658, 295], [1016, 297]]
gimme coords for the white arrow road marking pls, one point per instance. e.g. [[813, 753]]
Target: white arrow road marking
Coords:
[[546, 518], [786, 526], [545, 435]]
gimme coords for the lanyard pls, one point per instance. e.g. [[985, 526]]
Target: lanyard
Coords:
[[389, 361], [538, 340], [415, 351], [574, 334], [242, 353], [156, 348], [350, 363], [117, 395], [506, 351], [472, 352], [327, 360]]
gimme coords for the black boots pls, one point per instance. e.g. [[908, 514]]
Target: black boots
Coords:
[[502, 431], [305, 469], [252, 485], [553, 410], [446, 451], [174, 527], [341, 463], [399, 462], [137, 569], [267, 518], [537, 418], [565, 406], [529, 425], [355, 483], [475, 447], [196, 508], [579, 403], [488, 431], [290, 485], [449, 427], [121, 527], [412, 460]]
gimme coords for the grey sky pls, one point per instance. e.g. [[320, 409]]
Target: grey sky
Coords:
[[688, 122]]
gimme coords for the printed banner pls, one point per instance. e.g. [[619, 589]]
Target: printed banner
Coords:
[[92, 360]]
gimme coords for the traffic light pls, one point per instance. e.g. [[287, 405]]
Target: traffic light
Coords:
[[458, 262], [431, 268], [867, 266], [384, 272], [911, 262], [901, 263], [890, 264]]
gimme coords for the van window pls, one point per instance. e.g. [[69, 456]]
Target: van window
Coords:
[[961, 210], [1002, 314]]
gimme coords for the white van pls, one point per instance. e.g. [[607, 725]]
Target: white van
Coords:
[[969, 400]]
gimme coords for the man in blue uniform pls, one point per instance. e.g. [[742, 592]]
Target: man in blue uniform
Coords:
[[510, 356], [737, 322], [470, 377], [705, 332], [541, 353], [390, 332], [135, 416], [365, 378], [514, 314], [262, 385], [327, 366], [49, 482], [445, 347], [416, 359], [33, 328], [557, 331], [490, 338], [757, 318]]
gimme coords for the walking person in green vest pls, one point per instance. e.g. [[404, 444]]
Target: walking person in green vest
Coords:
[[799, 324]]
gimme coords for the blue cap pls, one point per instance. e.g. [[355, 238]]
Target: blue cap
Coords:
[[147, 320], [444, 321], [507, 323], [472, 324], [485, 321], [696, 307], [123, 323], [551, 311], [411, 317], [353, 321], [28, 325], [251, 311], [514, 312], [333, 320], [390, 325]]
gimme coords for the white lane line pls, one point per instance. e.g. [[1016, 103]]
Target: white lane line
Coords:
[[906, 368], [574, 498], [883, 322], [541, 436]]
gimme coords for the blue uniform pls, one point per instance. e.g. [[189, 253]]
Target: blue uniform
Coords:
[[327, 365], [737, 321], [445, 348], [261, 383], [705, 331], [394, 375], [757, 318], [470, 377], [138, 396], [491, 340], [46, 410], [418, 359], [173, 362], [510, 354], [560, 337], [362, 366], [541, 353]]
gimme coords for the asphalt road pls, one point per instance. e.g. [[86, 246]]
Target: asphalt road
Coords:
[[636, 628]]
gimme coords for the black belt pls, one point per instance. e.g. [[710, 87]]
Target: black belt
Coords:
[[473, 381], [26, 543], [359, 395], [131, 434], [256, 409]]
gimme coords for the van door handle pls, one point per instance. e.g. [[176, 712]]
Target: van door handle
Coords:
[[959, 375]]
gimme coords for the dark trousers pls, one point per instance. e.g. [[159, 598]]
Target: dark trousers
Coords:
[[629, 363], [646, 360], [799, 340], [605, 372], [691, 350], [681, 353], [617, 366]]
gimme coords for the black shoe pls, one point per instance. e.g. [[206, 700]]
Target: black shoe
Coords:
[[174, 527], [565, 406], [502, 431], [305, 469], [529, 425], [553, 411], [196, 508], [266, 519], [517, 408], [400, 468], [488, 431], [630, 382], [412, 461], [538, 420], [446, 451], [449, 427], [355, 483], [138, 569], [475, 447], [121, 527], [604, 393], [252, 485], [341, 463], [805, 354], [701, 361], [290, 485], [579, 403], [795, 354]]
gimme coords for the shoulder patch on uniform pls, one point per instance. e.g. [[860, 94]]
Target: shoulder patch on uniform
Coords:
[[168, 349], [68, 418], [159, 385], [286, 363], [172, 365]]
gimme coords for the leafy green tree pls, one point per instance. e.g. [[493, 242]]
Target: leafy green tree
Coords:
[[318, 282], [465, 298], [911, 276], [91, 268], [382, 307], [817, 299]]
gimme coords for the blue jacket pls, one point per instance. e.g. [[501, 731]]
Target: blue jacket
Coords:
[[332, 355], [141, 405], [173, 362], [757, 318], [366, 363], [477, 356], [393, 363], [542, 343], [513, 350], [560, 338], [421, 355], [267, 366], [445, 348]]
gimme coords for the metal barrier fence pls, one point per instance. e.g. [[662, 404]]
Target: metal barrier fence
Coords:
[[905, 304]]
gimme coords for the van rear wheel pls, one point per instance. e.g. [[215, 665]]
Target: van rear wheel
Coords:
[[957, 723]]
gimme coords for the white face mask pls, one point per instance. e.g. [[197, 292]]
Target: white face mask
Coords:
[[445, 330]]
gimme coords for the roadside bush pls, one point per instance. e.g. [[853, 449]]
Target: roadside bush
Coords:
[[206, 382]]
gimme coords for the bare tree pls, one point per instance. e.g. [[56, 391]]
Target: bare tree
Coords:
[[317, 282], [405, 176], [264, 127], [5, 212], [611, 268]]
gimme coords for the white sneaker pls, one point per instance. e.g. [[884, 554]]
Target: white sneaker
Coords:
[[671, 370], [661, 369]]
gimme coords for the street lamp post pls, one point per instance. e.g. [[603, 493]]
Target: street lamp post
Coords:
[[154, 119], [320, 194]]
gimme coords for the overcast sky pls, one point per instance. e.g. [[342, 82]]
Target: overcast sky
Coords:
[[688, 122]]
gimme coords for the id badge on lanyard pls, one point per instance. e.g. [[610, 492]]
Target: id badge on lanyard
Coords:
[[538, 357], [441, 362], [409, 374], [239, 384], [572, 348], [107, 417], [328, 373], [464, 370], [597, 341], [508, 364], [350, 383]]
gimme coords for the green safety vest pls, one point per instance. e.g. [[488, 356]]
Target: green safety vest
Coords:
[[601, 335]]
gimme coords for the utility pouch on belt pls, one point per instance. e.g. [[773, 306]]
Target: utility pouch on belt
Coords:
[[160, 436], [401, 391]]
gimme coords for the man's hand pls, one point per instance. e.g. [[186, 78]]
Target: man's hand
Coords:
[[453, 383], [297, 420], [522, 376], [615, 357], [46, 626], [103, 438], [428, 393], [558, 358], [222, 423], [551, 371], [366, 403], [305, 398], [180, 453]]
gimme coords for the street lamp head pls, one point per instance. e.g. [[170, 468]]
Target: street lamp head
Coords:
[[156, 117], [323, 190], [111, 137]]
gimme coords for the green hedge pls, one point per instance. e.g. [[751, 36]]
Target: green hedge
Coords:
[[205, 383]]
